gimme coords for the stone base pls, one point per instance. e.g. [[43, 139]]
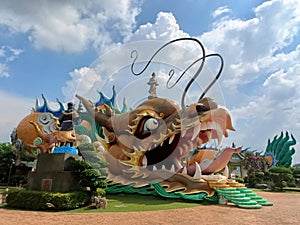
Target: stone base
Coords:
[[52, 174], [65, 181]]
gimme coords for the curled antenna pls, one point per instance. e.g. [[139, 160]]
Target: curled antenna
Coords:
[[134, 54]]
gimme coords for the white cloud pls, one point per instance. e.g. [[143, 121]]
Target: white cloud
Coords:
[[165, 28], [7, 55], [84, 81], [70, 26], [221, 11], [246, 44], [14, 109], [262, 72], [3, 70]]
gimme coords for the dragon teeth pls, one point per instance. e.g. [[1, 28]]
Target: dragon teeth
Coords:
[[184, 171], [154, 168], [163, 167], [198, 172], [172, 168], [145, 161], [171, 138]]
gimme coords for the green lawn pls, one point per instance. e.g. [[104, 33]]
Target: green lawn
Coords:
[[131, 203]]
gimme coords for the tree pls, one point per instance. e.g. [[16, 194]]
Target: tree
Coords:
[[256, 166], [7, 159]]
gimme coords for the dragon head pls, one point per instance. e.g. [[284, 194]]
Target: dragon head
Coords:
[[153, 141]]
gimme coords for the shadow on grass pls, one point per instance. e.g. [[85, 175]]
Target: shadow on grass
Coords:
[[137, 203]]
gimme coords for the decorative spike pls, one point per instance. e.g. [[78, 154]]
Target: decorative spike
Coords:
[[197, 175]]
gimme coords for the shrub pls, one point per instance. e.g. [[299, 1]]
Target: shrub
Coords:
[[240, 180], [100, 191], [281, 177], [39, 200], [296, 172], [91, 178]]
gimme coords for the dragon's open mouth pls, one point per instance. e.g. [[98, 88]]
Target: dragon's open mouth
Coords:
[[171, 151]]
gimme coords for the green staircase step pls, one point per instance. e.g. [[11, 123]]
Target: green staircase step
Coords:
[[246, 191], [229, 192], [235, 195], [257, 206], [266, 203], [243, 197], [250, 194], [256, 197], [245, 202]]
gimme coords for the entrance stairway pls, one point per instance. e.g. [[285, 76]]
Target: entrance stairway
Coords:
[[243, 197]]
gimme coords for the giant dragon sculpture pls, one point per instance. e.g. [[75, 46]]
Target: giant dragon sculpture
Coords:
[[148, 143], [151, 142]]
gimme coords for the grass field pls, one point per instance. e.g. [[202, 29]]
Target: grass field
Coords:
[[138, 203]]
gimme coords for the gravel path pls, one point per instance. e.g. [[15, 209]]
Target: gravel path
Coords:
[[286, 210]]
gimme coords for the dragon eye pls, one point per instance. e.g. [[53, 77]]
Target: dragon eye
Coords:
[[150, 124]]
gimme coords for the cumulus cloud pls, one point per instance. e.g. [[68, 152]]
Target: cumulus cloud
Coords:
[[164, 28], [261, 76], [7, 55], [246, 44], [70, 26]]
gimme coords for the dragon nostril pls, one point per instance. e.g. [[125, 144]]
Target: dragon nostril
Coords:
[[201, 108]]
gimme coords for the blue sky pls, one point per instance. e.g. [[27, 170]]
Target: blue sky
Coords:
[[47, 47]]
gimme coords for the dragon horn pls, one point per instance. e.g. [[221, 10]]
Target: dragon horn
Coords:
[[101, 118]]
